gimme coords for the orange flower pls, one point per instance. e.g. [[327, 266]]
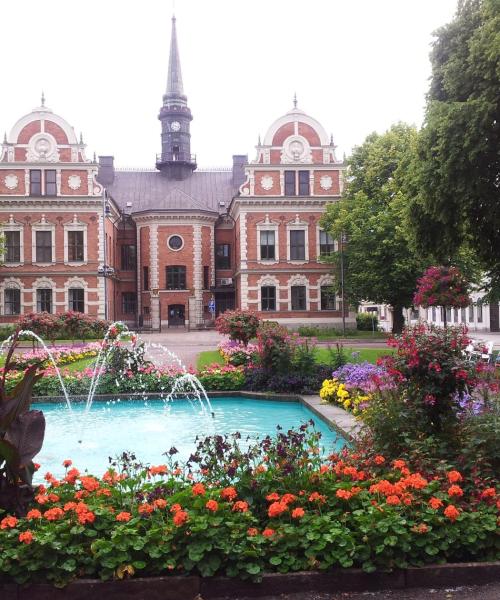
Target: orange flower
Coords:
[[274, 497], [67, 463], [86, 517], [180, 518], [53, 497], [145, 509], [488, 493], [158, 470], [435, 503], [455, 490], [175, 508], [37, 466], [422, 528], [350, 472], [71, 476], [34, 514], [399, 464], [260, 469], [379, 460], [276, 509], [90, 483], [343, 494], [451, 512], [454, 476], [8, 522], [240, 506], [198, 489], [54, 514], [42, 498], [393, 500], [383, 487], [212, 505], [268, 532], [251, 531], [288, 498], [324, 469], [123, 517], [48, 476], [298, 513], [316, 497], [228, 493], [26, 537], [81, 494], [103, 492], [70, 506], [160, 503]]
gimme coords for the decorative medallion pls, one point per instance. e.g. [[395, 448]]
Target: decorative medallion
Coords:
[[11, 181], [42, 147], [74, 182], [175, 242], [296, 149], [326, 182], [267, 182]]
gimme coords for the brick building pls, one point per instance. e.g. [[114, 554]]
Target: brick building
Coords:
[[155, 245]]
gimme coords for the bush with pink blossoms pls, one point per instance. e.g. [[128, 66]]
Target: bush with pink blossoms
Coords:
[[240, 325], [236, 353]]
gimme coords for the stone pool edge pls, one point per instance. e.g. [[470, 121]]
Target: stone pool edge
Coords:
[[343, 422]]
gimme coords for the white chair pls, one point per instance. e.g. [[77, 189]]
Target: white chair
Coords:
[[486, 352]]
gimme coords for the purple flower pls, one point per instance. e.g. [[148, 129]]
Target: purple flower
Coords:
[[359, 375]]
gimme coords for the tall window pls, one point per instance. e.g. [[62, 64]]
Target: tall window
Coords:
[[471, 313], [433, 313], [35, 182], [326, 243], [290, 183], [297, 245], [303, 183], [76, 299], [463, 317], [327, 298], [223, 256], [12, 246], [75, 246], [44, 300], [145, 278], [50, 183], [267, 245], [448, 314], [12, 301], [479, 309], [206, 278], [456, 315], [268, 297], [129, 303], [43, 246], [298, 297], [128, 257], [176, 278]]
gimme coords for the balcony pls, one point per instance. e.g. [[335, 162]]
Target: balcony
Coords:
[[176, 157]]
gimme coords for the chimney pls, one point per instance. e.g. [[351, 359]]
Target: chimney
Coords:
[[239, 162], [106, 173]]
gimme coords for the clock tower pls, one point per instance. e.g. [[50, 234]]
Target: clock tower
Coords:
[[175, 160]]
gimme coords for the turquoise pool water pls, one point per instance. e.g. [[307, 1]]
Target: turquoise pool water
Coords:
[[151, 428]]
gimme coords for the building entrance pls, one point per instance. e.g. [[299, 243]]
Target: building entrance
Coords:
[[176, 315]]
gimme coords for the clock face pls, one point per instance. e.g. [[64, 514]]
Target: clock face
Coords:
[[175, 126]]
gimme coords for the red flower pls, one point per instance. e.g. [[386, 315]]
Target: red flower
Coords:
[[379, 460], [26, 537], [198, 489], [316, 497], [212, 505], [240, 506], [86, 517], [34, 514], [455, 490], [274, 497], [454, 476], [276, 509], [488, 493], [252, 531], [123, 517], [393, 500], [67, 463], [268, 532], [175, 508], [451, 512], [298, 513], [8, 522], [90, 483], [54, 514], [145, 509], [180, 518]]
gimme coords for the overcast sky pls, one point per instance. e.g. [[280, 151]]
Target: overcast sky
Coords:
[[356, 65]]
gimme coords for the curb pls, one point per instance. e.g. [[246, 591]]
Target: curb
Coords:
[[194, 587]]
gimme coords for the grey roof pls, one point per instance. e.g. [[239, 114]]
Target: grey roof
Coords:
[[174, 81], [152, 191]]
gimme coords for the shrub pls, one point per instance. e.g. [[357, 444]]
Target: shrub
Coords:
[[239, 325], [263, 380], [236, 353], [227, 377], [275, 347], [44, 324], [304, 354], [367, 321]]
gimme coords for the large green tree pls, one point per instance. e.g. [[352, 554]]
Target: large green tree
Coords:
[[380, 263], [455, 180]]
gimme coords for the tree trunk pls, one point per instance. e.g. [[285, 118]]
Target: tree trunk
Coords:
[[398, 320]]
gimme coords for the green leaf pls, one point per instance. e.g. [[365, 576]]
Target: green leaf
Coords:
[[275, 560]]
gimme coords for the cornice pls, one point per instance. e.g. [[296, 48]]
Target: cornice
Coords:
[[162, 218]]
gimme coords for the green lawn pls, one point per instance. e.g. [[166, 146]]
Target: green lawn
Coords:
[[209, 357], [335, 334]]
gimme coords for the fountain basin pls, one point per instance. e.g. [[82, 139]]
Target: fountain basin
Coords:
[[149, 427]]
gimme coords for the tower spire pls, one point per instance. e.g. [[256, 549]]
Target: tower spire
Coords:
[[174, 79]]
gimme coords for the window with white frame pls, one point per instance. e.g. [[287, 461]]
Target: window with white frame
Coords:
[[297, 244], [479, 309], [326, 243], [43, 246], [44, 300], [12, 301], [267, 244], [268, 297], [298, 297], [471, 313], [327, 298], [12, 247], [75, 241]]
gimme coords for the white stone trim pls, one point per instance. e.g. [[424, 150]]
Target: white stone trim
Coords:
[[13, 225], [244, 291], [268, 225], [75, 225], [197, 263], [154, 275], [101, 281], [297, 225], [73, 283], [43, 225], [212, 255], [243, 240], [264, 281], [42, 114], [296, 280], [182, 242], [296, 116]]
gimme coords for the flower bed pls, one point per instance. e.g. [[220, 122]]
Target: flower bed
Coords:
[[276, 506], [63, 355]]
